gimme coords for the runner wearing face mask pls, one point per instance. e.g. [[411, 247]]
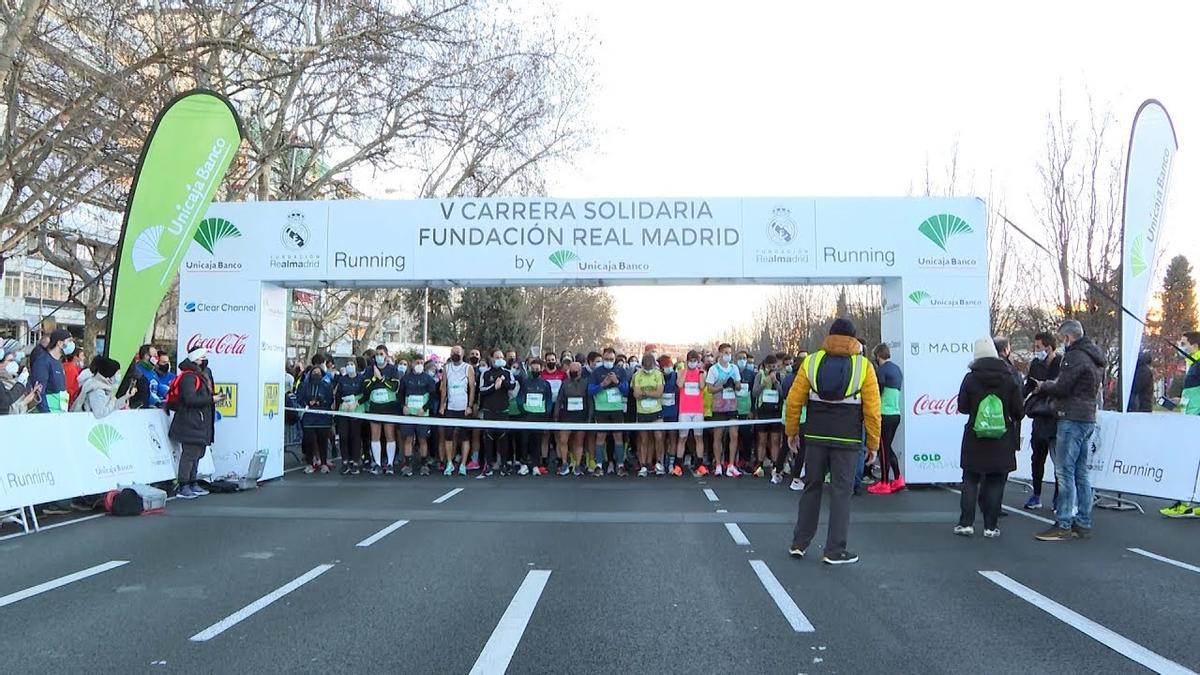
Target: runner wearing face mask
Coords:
[[608, 388], [648, 385], [767, 407], [691, 409], [458, 391], [348, 397], [724, 382], [590, 364], [535, 400], [480, 365], [516, 369], [670, 404], [744, 455], [417, 390], [382, 388], [554, 375], [572, 406], [496, 387]]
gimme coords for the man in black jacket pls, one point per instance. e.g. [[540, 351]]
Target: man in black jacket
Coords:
[[1045, 366], [1142, 396], [495, 386], [1075, 393]]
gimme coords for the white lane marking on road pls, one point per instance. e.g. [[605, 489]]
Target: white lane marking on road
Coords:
[[1114, 641], [736, 532], [61, 581], [253, 608], [1160, 558], [783, 601], [294, 468], [382, 533], [73, 521], [1010, 509], [498, 651], [447, 496], [712, 496], [722, 510]]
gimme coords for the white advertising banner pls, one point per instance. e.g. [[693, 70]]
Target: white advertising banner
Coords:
[[1135, 453], [91, 455], [929, 253], [1152, 147]]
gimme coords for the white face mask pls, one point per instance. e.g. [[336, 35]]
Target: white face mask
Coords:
[[693, 364], [1040, 355], [351, 371], [418, 368], [11, 368]]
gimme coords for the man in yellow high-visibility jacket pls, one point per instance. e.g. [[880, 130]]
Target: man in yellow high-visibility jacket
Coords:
[[838, 387]]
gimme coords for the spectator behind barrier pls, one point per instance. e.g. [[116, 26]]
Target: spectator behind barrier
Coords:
[[97, 391], [15, 397]]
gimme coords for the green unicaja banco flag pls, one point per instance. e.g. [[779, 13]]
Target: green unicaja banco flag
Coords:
[[184, 160]]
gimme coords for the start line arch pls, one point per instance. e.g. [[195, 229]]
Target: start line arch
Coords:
[[929, 255]]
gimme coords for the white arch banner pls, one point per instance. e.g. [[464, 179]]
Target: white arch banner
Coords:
[[928, 254]]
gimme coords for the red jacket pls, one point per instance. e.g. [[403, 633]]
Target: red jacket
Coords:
[[72, 373]]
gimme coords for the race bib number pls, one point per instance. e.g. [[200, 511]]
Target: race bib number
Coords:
[[770, 396], [574, 403], [744, 393], [691, 388], [668, 400], [648, 404], [415, 403], [382, 396], [535, 403], [614, 395], [728, 394]]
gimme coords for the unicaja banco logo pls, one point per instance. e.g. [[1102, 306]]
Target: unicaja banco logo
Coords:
[[214, 230], [562, 258], [1137, 256], [918, 297], [781, 228], [147, 248], [942, 228], [103, 437], [925, 299]]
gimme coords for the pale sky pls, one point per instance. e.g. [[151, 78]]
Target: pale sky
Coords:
[[836, 99]]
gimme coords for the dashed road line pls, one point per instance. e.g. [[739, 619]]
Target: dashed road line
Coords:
[[783, 601], [712, 496], [382, 533], [61, 581], [498, 651], [447, 496], [1155, 556], [736, 532], [1114, 641], [259, 604]]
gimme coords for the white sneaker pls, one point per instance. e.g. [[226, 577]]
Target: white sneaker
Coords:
[[449, 469], [643, 472], [991, 534], [523, 471], [310, 469], [967, 531], [719, 470], [659, 469], [776, 478], [797, 485], [732, 471]]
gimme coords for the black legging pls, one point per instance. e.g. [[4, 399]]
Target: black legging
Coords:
[[1042, 447], [891, 423], [316, 444], [350, 440], [495, 441], [990, 497], [531, 443]]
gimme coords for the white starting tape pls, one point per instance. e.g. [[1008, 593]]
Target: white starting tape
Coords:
[[472, 423]]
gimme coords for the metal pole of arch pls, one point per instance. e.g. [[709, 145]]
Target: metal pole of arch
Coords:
[[425, 329]]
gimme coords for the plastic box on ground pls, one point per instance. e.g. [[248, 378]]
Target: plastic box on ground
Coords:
[[254, 472]]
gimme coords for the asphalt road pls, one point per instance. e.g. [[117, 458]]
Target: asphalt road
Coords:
[[644, 576]]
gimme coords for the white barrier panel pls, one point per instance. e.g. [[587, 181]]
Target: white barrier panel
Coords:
[[1137, 453], [51, 457]]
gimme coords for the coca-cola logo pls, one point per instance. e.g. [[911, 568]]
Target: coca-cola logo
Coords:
[[229, 343], [927, 405]]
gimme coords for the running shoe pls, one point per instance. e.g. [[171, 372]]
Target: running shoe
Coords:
[[776, 478], [797, 485], [564, 470], [843, 558], [1177, 510], [732, 471], [390, 470], [598, 472], [462, 469], [184, 492], [720, 470], [659, 470], [621, 471], [880, 488], [898, 484], [424, 470], [198, 491], [310, 469], [643, 472], [701, 470], [758, 472], [345, 469], [1081, 532], [1034, 503], [677, 470], [375, 471], [991, 534], [523, 471], [964, 530], [449, 469], [1055, 533], [354, 469], [325, 468], [796, 551], [578, 470], [472, 465], [406, 471]]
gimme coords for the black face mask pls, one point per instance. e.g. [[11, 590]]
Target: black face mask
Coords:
[[164, 367], [474, 360], [552, 366], [575, 374], [456, 358], [535, 373]]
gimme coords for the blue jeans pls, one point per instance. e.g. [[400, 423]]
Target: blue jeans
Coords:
[[861, 468], [1071, 469]]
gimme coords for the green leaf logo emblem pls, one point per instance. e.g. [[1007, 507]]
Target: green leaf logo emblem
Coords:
[[213, 230], [918, 297], [561, 258], [103, 437], [1137, 255], [940, 229]]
